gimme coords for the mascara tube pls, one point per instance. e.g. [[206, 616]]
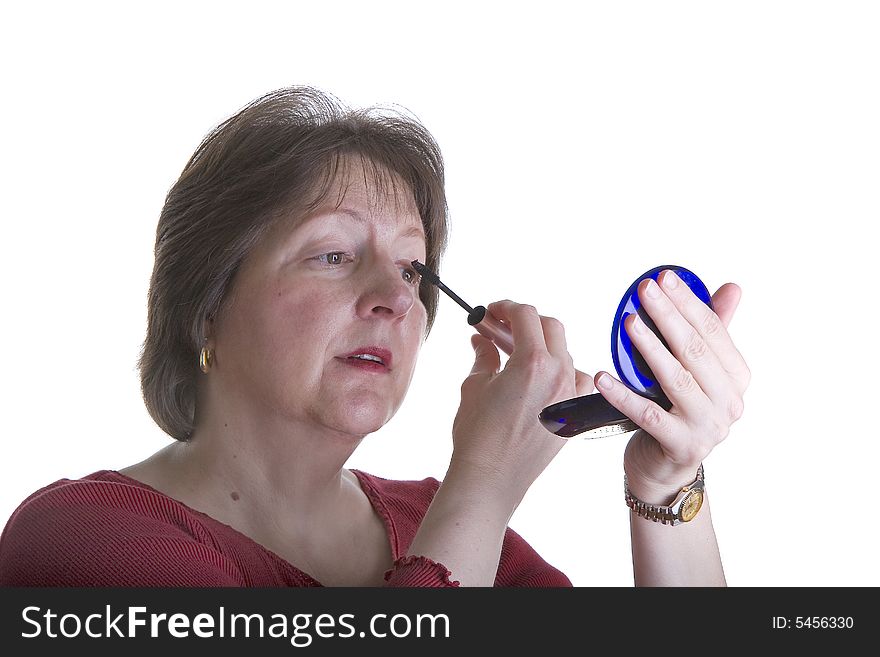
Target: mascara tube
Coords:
[[487, 325]]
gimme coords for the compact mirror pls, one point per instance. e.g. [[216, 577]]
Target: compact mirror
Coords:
[[591, 416]]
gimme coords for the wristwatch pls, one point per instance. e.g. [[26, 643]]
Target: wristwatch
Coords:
[[683, 508]]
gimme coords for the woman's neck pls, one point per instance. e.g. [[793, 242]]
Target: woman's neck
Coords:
[[279, 484]]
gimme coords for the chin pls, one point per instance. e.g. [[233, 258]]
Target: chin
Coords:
[[361, 416], [359, 426]]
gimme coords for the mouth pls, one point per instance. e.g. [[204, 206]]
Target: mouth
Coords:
[[377, 359]]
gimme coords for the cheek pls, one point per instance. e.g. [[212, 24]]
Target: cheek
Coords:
[[422, 315], [305, 322], [415, 334], [273, 327]]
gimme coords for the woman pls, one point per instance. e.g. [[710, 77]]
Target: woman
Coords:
[[284, 325]]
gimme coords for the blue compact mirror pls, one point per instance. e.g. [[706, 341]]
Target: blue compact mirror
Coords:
[[591, 416]]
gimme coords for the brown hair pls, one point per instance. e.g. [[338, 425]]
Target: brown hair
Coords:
[[276, 157]]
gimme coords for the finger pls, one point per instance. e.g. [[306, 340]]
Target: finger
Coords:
[[725, 302], [583, 383], [665, 427], [677, 382], [708, 324], [554, 335], [685, 342], [554, 338], [487, 360], [524, 322]]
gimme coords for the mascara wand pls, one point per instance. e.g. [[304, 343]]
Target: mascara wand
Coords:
[[480, 318]]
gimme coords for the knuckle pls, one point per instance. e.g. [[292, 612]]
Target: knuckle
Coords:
[[471, 380], [538, 362], [529, 309], [552, 322], [651, 416], [500, 306], [719, 431], [695, 348], [735, 408], [683, 382], [562, 385], [582, 378], [712, 325]]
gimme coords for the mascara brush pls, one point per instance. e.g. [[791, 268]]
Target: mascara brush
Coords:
[[480, 318]]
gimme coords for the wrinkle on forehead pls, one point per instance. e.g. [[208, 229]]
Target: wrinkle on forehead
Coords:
[[385, 190], [344, 176]]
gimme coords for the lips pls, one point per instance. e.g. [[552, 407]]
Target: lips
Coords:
[[379, 352]]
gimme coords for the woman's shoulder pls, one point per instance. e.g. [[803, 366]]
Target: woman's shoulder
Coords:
[[415, 494], [399, 486], [105, 493], [72, 493], [105, 501], [78, 531]]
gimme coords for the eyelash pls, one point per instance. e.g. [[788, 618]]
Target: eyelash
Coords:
[[414, 281]]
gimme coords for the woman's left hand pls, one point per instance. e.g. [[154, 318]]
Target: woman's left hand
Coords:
[[704, 377]]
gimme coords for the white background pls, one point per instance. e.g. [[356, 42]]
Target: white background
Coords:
[[585, 143]]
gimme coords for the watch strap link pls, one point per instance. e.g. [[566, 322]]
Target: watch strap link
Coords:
[[664, 514]]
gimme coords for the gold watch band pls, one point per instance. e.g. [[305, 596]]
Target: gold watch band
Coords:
[[683, 508]]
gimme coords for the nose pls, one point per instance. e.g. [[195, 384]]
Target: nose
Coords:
[[386, 292]]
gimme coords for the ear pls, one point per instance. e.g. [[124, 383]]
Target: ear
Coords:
[[208, 329]]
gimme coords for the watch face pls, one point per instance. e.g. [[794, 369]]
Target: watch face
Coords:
[[691, 505]]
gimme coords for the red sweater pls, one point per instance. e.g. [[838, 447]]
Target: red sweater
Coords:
[[108, 529]]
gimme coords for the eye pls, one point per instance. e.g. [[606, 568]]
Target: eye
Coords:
[[334, 258], [414, 276]]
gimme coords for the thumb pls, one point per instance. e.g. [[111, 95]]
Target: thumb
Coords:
[[725, 301], [487, 358]]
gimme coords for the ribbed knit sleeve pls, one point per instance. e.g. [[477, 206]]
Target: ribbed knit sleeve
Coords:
[[521, 565], [419, 571]]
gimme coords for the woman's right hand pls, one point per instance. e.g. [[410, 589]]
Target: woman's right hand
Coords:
[[499, 446], [498, 441]]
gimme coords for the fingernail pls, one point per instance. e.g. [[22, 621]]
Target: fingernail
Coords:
[[604, 381], [652, 289], [638, 325], [670, 279]]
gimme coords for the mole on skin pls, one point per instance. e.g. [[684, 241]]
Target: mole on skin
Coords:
[[234, 496]]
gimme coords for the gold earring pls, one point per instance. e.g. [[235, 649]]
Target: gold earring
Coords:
[[206, 359]]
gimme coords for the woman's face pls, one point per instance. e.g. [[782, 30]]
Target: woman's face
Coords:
[[308, 297]]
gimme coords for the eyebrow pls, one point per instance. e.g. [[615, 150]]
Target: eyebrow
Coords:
[[412, 231]]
